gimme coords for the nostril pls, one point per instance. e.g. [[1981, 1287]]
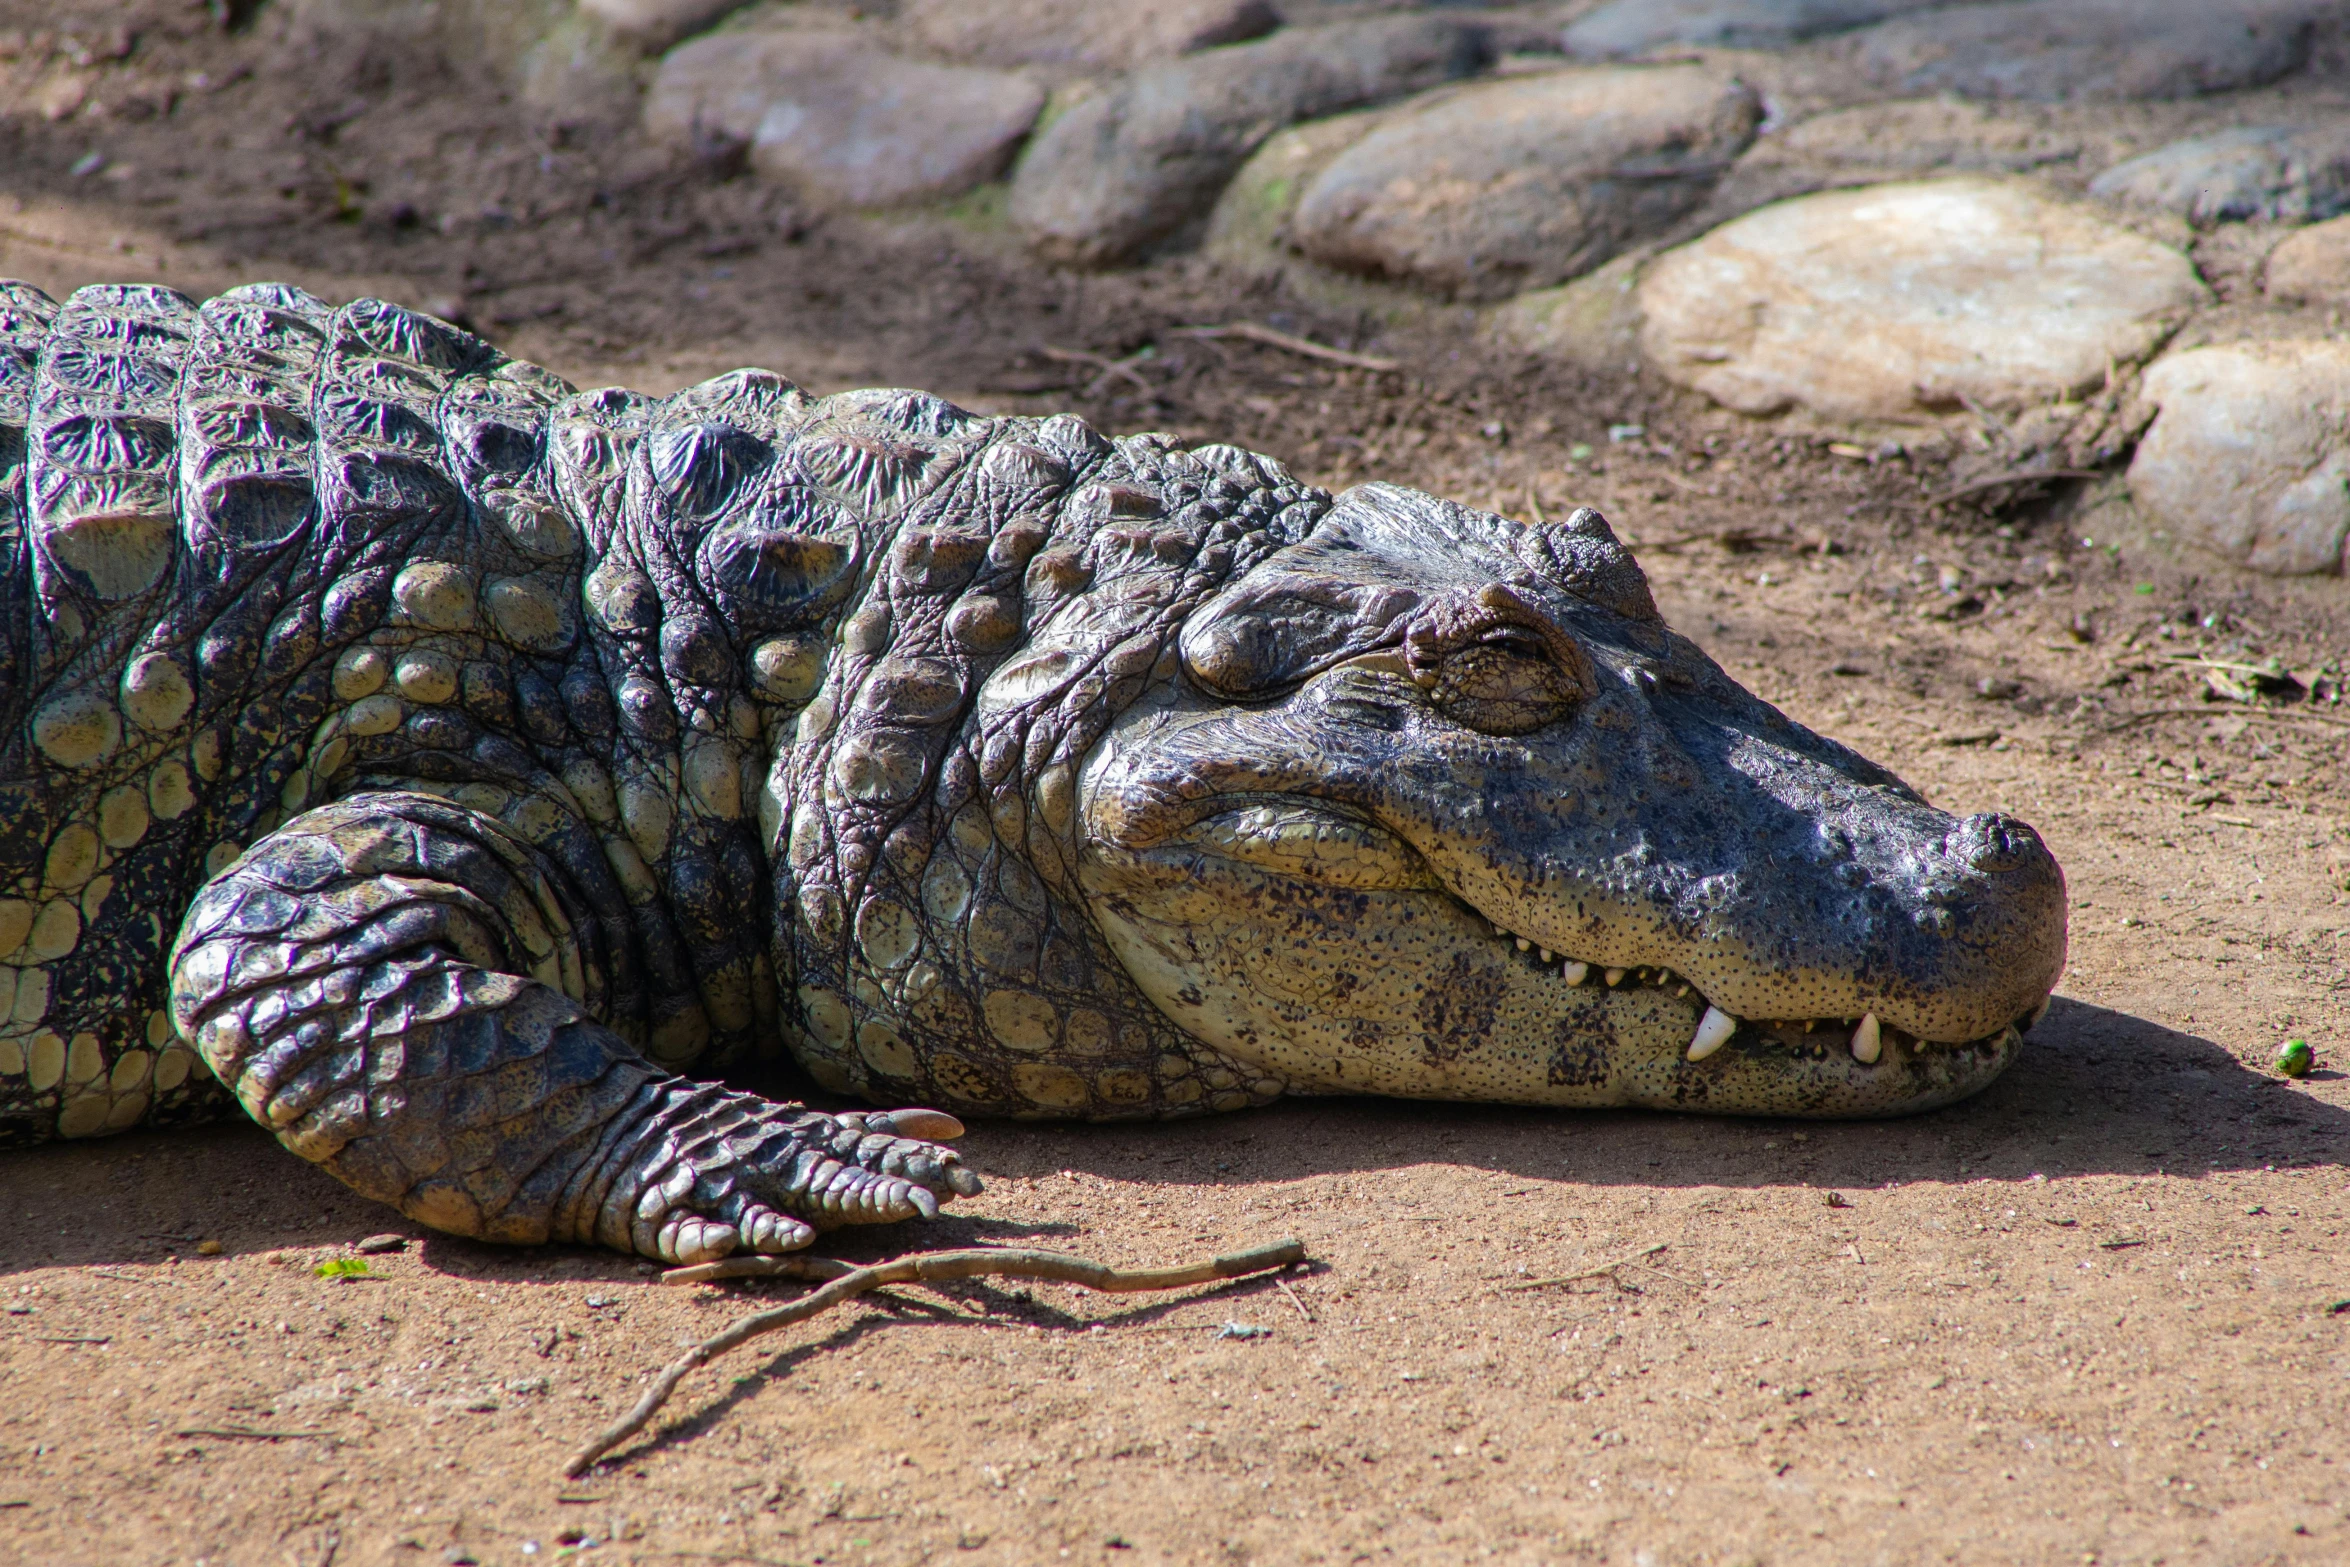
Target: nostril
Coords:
[[1995, 842]]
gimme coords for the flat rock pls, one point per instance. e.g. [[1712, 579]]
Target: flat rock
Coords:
[[2250, 452], [1629, 27], [841, 119], [719, 87], [1900, 303], [1924, 135], [877, 130], [656, 24], [2265, 173], [2313, 266], [1128, 167], [2102, 49], [1081, 33], [1489, 190]]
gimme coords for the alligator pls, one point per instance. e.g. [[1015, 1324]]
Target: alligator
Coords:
[[490, 786]]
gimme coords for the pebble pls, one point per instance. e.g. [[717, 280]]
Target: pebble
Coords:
[[2313, 266], [1521, 183], [2261, 173], [1126, 168], [387, 1241], [1898, 302], [1629, 27], [2249, 454], [2097, 49], [1082, 33]]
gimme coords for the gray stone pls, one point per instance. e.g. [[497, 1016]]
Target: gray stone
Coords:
[[1082, 34], [877, 130], [720, 86], [1126, 169], [1629, 27], [2267, 173], [1903, 303], [2101, 49], [656, 24], [1926, 135], [2312, 266], [1525, 182], [2250, 452], [847, 123]]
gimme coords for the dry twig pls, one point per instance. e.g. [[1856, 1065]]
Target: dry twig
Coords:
[[2032, 476], [2246, 710], [1600, 1272], [1283, 1286], [1304, 346], [926, 1267], [1107, 366]]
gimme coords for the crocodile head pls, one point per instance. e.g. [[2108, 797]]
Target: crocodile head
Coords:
[[1436, 805]]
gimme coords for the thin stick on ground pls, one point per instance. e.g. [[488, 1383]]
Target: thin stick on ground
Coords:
[[1600, 1272], [1106, 365], [1302, 346], [926, 1267]]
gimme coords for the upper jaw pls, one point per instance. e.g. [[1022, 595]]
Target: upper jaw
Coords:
[[1593, 935]]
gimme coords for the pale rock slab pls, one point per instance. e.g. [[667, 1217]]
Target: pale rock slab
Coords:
[[1127, 168], [2091, 49], [1522, 183], [1900, 303], [1629, 27], [1084, 34], [2250, 452], [2313, 266], [2262, 173]]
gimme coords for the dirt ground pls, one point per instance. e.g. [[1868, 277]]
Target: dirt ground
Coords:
[[2099, 1314]]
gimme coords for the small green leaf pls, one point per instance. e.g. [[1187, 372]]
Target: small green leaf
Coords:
[[341, 1268], [2146, 587], [1578, 452]]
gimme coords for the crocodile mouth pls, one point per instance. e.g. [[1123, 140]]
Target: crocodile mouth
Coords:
[[1868, 1039], [1328, 845]]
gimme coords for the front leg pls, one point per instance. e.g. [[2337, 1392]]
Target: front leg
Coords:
[[394, 985]]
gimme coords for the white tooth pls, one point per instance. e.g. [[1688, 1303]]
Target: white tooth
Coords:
[[1809, 1023], [1576, 973], [1524, 945], [1713, 1032], [1867, 1041], [1682, 991], [1546, 957], [1614, 976]]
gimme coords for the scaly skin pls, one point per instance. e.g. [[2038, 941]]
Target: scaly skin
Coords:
[[502, 754]]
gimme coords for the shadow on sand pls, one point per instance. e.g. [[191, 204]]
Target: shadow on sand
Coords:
[[2095, 1092]]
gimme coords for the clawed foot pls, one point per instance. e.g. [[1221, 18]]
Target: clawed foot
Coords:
[[718, 1172]]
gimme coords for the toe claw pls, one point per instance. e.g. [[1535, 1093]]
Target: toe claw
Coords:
[[924, 1203], [930, 1126], [963, 1182]]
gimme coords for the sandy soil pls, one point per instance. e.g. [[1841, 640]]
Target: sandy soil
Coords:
[[2096, 1315]]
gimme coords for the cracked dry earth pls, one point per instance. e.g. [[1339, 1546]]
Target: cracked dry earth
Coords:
[[2100, 1313]]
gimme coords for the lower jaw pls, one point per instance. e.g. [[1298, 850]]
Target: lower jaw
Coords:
[[1627, 1049]]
